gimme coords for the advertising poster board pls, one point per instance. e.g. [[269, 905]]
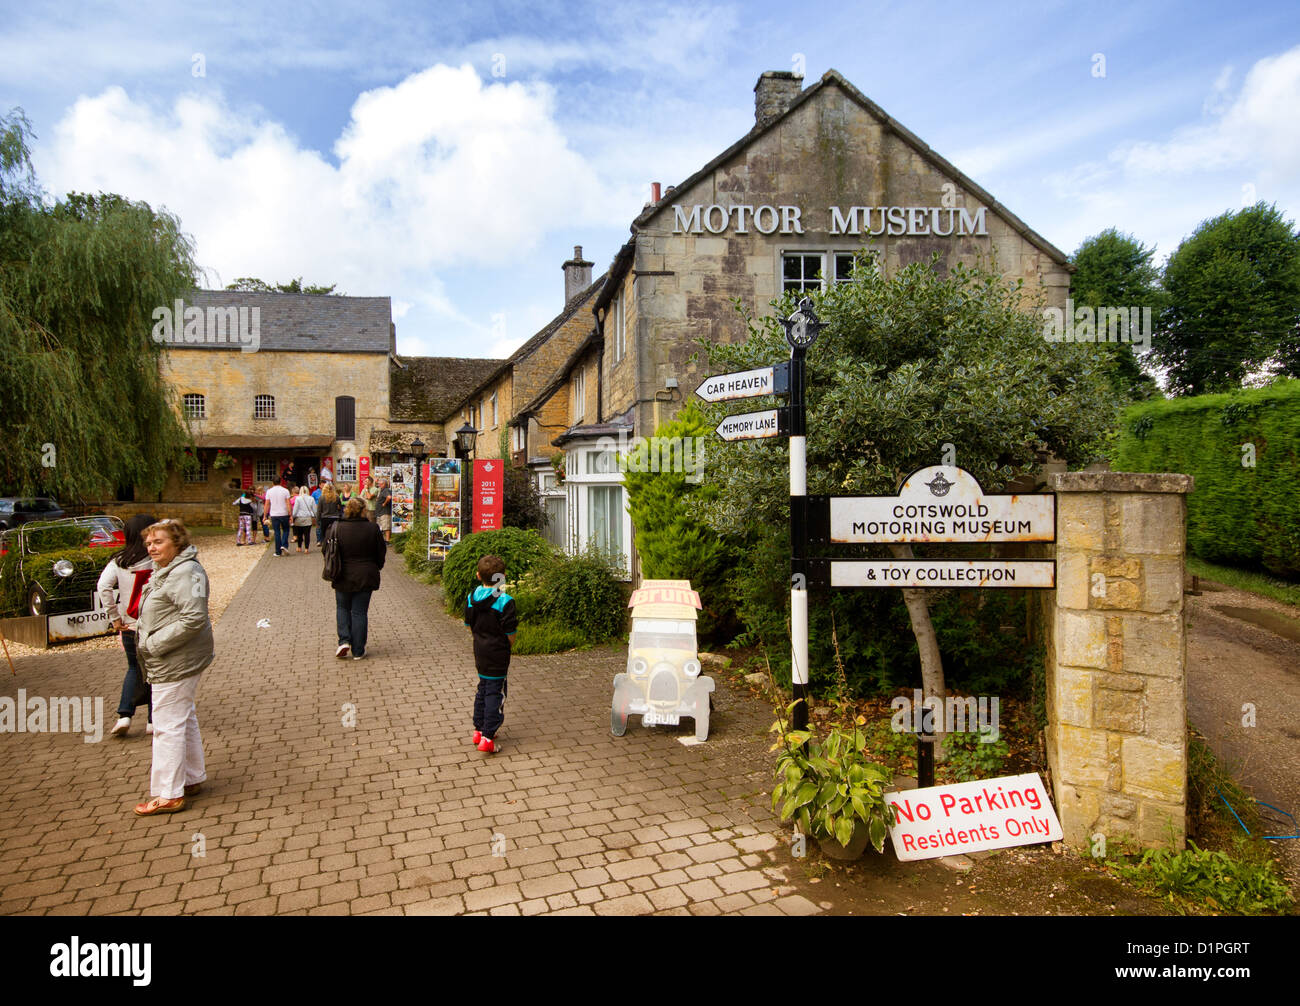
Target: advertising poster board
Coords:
[[246, 473], [363, 470], [444, 506], [489, 487], [401, 481]]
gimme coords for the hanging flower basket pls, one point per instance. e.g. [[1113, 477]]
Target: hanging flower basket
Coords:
[[222, 461]]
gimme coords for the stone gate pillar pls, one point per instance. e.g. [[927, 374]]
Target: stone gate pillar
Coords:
[[1116, 655]]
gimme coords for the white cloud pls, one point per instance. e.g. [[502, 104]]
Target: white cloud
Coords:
[[442, 170]]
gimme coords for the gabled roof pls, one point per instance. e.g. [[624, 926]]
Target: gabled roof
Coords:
[[527, 349], [302, 322], [557, 382], [834, 77], [429, 388]]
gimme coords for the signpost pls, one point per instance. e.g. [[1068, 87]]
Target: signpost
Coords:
[[774, 380]]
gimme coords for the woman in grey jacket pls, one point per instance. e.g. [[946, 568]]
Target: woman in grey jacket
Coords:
[[174, 644]]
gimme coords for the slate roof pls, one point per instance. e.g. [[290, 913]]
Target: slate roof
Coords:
[[303, 323], [425, 389], [920, 146]]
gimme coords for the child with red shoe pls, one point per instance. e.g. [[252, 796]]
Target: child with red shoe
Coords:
[[490, 616]]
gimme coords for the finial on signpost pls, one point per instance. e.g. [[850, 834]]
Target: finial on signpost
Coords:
[[803, 326]]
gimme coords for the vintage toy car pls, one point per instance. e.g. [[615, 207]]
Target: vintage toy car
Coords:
[[663, 681]]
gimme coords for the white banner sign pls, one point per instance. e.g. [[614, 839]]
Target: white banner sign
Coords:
[[972, 816], [743, 384], [943, 573], [751, 425], [943, 503]]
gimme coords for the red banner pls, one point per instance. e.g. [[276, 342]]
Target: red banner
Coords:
[[424, 479], [363, 470], [246, 473], [489, 485]]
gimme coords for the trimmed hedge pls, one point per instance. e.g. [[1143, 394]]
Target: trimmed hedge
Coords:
[[1238, 513]]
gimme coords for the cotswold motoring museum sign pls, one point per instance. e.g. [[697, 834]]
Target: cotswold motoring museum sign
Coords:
[[942, 503], [862, 221]]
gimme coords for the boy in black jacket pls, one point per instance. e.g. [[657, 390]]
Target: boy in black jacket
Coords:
[[490, 615]]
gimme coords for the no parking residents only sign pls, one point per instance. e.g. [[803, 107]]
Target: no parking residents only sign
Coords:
[[972, 816]]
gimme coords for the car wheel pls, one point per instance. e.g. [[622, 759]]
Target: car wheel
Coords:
[[37, 602], [618, 713]]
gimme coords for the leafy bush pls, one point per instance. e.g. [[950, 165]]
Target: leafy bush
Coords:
[[1247, 886], [673, 542], [581, 593], [519, 549], [13, 588], [521, 504], [1240, 514], [969, 758], [414, 549]]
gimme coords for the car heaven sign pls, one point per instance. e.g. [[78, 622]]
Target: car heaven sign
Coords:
[[971, 817], [774, 380]]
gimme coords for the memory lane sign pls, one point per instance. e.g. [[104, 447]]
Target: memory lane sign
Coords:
[[754, 425]]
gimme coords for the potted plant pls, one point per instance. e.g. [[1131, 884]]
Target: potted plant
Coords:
[[831, 788], [222, 461]]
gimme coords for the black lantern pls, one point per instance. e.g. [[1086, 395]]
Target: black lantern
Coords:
[[465, 438], [802, 327]]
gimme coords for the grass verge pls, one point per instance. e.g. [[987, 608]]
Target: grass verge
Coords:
[[1240, 579]]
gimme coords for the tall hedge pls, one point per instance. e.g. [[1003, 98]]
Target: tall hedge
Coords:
[[1243, 449]]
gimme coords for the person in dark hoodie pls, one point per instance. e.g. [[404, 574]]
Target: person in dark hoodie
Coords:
[[362, 551], [119, 588], [490, 615]]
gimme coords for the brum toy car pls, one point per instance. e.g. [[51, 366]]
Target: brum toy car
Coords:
[[663, 681]]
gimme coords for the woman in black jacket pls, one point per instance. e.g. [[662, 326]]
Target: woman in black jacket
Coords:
[[362, 551]]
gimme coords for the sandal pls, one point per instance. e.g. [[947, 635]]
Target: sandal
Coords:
[[159, 806]]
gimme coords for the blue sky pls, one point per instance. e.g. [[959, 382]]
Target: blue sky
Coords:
[[452, 158]]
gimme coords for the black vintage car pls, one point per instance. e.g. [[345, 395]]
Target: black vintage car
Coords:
[[53, 567], [15, 510]]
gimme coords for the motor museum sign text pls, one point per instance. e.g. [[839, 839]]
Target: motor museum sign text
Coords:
[[860, 221]]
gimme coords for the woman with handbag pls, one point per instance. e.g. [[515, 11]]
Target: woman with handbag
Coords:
[[361, 551]]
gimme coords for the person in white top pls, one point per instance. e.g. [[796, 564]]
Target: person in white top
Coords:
[[277, 504], [304, 516], [119, 590]]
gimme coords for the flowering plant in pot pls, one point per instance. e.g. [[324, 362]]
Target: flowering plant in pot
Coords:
[[831, 788], [222, 461]]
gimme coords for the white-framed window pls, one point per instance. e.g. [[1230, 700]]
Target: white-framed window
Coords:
[[264, 407], [618, 322], [198, 475], [346, 469], [578, 394], [602, 462], [807, 270], [196, 406], [519, 438], [494, 410], [605, 520], [264, 470]]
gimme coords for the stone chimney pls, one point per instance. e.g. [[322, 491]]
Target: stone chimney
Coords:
[[773, 94], [577, 274]]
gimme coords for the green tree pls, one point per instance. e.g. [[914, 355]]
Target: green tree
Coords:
[[905, 365], [1115, 270], [83, 407], [673, 542], [251, 284], [1234, 302]]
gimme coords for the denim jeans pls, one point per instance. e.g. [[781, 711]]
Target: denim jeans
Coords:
[[281, 527], [351, 610], [134, 688]]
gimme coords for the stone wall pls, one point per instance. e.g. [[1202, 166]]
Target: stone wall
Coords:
[[1116, 657]]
